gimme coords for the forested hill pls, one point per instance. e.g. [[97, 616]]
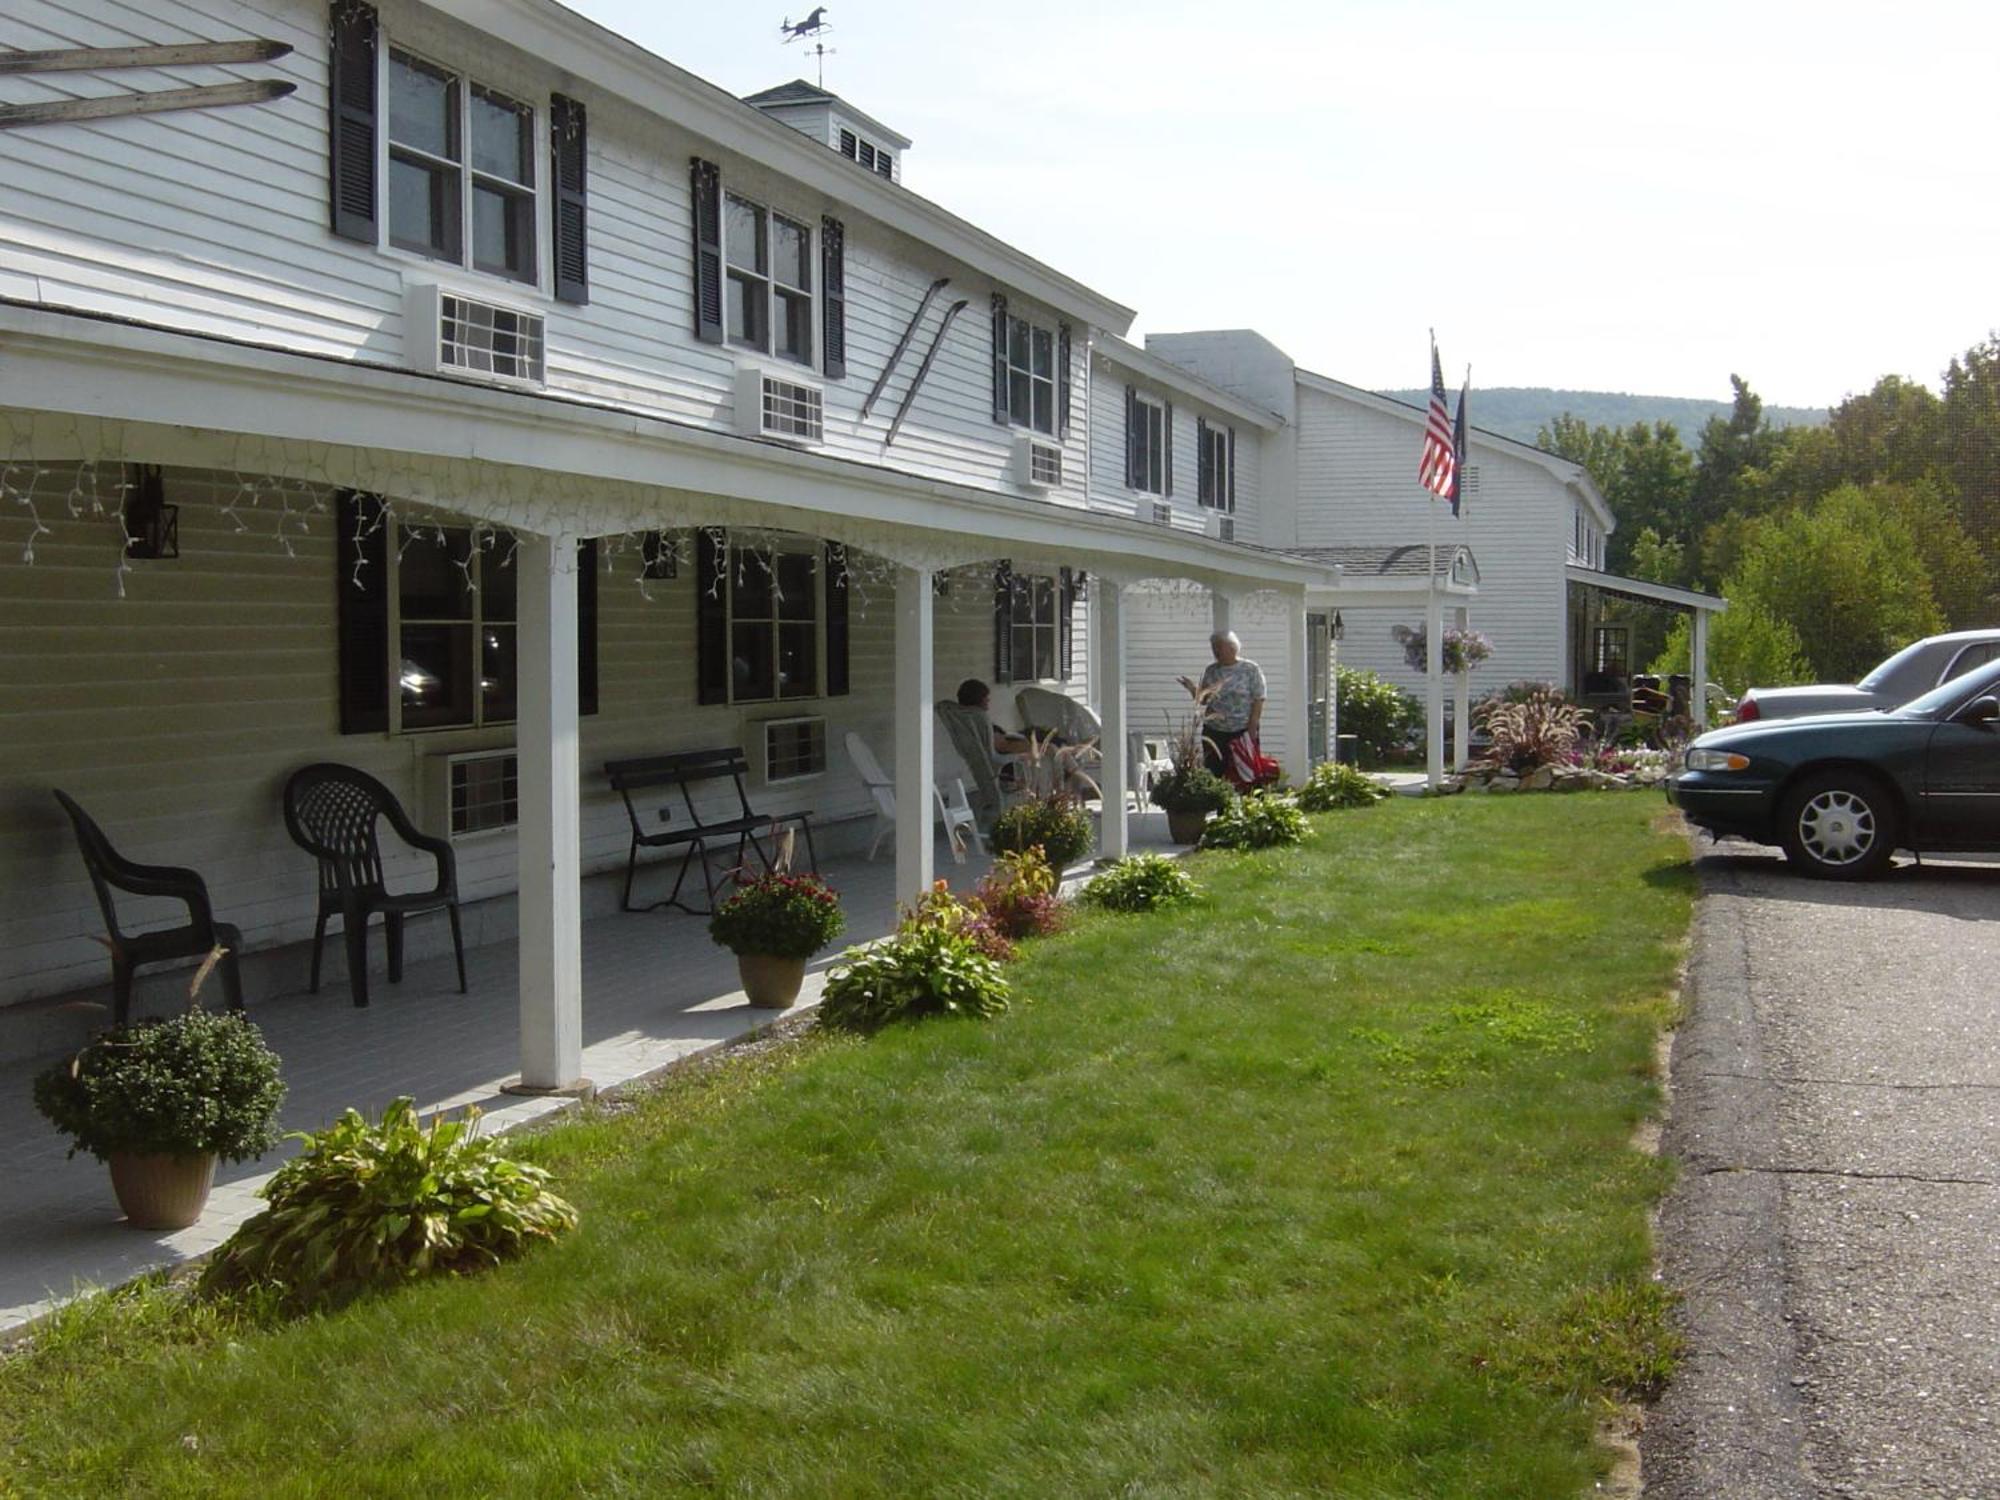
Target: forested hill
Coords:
[[1520, 411]]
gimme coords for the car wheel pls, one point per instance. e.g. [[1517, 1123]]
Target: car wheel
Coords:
[[1839, 825]]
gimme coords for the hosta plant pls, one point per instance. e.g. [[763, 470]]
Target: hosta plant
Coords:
[[1055, 823], [1021, 896], [200, 1083], [1260, 820], [1142, 882], [932, 966], [373, 1205], [1540, 730], [1332, 787]]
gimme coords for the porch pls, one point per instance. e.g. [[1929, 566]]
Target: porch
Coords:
[[1603, 653], [655, 991]]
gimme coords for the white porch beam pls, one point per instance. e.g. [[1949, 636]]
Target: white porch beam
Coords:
[[1107, 635], [915, 763], [1297, 756], [550, 841], [1434, 688], [1461, 702], [1698, 664]]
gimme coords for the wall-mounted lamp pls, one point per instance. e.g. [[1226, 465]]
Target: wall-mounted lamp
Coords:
[[1339, 627], [152, 527]]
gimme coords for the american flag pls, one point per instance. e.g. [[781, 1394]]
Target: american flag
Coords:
[[1437, 469]]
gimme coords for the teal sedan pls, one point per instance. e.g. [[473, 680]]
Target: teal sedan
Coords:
[[1841, 793]]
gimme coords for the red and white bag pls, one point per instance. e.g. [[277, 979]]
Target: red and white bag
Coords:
[[1249, 766]]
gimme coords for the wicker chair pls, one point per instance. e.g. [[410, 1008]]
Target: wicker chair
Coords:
[[198, 937], [333, 812]]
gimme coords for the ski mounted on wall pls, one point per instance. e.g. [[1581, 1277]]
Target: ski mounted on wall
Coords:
[[167, 55]]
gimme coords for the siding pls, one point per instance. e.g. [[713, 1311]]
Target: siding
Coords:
[[214, 222], [1108, 490], [175, 715], [1357, 486], [1168, 638]]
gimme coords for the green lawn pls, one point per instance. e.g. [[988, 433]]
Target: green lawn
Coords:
[[1322, 1187]]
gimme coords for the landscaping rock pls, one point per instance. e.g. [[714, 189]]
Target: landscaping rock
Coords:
[[1541, 780]]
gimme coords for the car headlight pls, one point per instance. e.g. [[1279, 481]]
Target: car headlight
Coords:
[[1716, 760]]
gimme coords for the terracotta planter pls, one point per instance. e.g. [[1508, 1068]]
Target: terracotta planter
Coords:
[[1186, 827], [771, 983], [162, 1192]]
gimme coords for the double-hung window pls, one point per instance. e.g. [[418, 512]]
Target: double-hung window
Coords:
[[1149, 446], [1032, 623], [461, 170], [455, 594], [1031, 375], [774, 627], [1217, 467], [770, 280]]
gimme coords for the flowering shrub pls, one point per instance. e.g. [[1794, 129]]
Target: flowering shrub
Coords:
[[933, 966], [1021, 897], [1142, 882], [1055, 823], [1331, 787], [779, 915], [1259, 820], [1542, 730]]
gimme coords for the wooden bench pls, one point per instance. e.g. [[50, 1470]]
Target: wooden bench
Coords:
[[684, 771]]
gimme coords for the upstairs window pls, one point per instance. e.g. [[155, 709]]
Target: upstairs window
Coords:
[[461, 170], [1031, 375], [1148, 436], [1215, 449], [769, 259]]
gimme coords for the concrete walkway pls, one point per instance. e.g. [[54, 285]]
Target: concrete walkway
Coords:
[[1836, 1228], [655, 991]]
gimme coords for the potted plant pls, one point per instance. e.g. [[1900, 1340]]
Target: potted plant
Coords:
[[1190, 792], [160, 1101], [773, 923]]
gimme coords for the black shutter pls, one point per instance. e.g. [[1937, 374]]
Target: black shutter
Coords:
[[586, 625], [1204, 465], [1062, 378], [1135, 441], [1003, 622], [1229, 495], [1069, 585], [711, 615], [1167, 449], [351, 121], [569, 151], [833, 296], [706, 178], [836, 620], [999, 358], [361, 553]]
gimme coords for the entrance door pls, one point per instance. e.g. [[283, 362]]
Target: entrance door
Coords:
[[1317, 635]]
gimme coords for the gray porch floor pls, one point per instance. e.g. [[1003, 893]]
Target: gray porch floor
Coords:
[[655, 990]]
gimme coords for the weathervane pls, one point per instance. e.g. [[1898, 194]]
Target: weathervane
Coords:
[[814, 29]]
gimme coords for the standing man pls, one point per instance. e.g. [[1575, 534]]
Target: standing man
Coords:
[[1237, 708]]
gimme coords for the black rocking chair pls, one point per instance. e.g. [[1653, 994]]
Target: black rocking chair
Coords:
[[331, 812], [200, 936]]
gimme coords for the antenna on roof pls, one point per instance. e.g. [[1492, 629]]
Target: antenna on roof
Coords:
[[813, 28]]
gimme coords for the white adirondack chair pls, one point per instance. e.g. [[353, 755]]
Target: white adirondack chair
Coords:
[[954, 811]]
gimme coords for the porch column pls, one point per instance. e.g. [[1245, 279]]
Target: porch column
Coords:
[[1298, 691], [1218, 607], [1698, 662], [1434, 686], [915, 775], [1461, 703], [550, 842], [1107, 635]]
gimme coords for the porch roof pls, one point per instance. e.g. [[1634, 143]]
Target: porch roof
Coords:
[[1650, 593], [1402, 573], [498, 455]]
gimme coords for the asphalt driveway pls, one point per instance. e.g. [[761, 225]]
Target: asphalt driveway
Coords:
[[1836, 1226]]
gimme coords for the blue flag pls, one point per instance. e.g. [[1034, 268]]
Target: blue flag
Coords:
[[1458, 447]]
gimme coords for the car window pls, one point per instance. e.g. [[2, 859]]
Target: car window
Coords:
[[1976, 655], [1881, 677], [1947, 697]]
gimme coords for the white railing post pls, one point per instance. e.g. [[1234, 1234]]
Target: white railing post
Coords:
[[1434, 687], [1297, 751], [1698, 665], [1461, 704], [915, 648], [1107, 634], [550, 834]]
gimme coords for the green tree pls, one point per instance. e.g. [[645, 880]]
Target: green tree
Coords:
[[1748, 647], [1644, 474], [1970, 422], [1730, 459], [1655, 558]]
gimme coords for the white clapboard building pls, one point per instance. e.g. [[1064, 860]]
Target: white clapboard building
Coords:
[[460, 392]]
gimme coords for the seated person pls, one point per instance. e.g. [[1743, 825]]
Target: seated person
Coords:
[[974, 694]]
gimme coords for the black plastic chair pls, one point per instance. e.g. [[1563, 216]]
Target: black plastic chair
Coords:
[[332, 812], [199, 937]]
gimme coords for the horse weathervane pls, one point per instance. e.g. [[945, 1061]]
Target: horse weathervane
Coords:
[[814, 29]]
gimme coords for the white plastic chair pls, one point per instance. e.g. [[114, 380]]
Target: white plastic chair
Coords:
[[1147, 757], [955, 811]]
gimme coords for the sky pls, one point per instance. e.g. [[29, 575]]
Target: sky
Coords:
[[1608, 195]]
